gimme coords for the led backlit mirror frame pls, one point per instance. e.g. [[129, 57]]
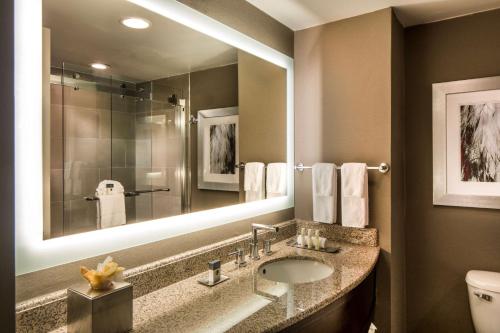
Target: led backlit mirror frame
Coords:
[[32, 252]]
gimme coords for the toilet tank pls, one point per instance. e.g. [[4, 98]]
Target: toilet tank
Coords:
[[484, 300]]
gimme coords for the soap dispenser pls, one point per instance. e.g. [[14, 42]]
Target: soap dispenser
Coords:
[[214, 274], [213, 271]]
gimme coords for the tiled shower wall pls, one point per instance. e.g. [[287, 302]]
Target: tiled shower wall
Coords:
[[158, 141], [80, 156], [96, 135], [123, 148]]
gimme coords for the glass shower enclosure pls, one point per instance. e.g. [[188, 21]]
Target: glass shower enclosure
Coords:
[[109, 128]]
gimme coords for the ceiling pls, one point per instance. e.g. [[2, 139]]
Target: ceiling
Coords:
[[302, 14], [84, 32]]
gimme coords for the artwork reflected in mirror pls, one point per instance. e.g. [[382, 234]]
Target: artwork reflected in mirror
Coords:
[[218, 149], [146, 118]]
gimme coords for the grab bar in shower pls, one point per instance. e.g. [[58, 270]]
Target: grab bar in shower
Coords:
[[131, 193]]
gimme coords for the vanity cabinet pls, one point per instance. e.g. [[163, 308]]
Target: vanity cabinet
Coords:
[[351, 313]]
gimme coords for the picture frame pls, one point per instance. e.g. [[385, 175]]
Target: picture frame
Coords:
[[466, 143], [218, 149]]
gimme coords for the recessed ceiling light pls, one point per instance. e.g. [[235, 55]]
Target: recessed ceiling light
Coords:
[[135, 23], [98, 65]]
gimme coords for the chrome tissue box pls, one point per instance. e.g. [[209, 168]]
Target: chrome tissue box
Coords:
[[95, 311]]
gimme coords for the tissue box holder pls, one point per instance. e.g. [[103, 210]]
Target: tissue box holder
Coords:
[[95, 311]]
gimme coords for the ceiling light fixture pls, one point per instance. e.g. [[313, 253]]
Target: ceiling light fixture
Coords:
[[135, 23], [98, 65]]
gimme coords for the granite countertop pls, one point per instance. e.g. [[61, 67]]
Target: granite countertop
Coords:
[[247, 302]]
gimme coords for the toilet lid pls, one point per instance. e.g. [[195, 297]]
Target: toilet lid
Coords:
[[484, 280]]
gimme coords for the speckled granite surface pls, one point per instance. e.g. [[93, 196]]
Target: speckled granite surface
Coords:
[[173, 277], [336, 232], [48, 312], [238, 305]]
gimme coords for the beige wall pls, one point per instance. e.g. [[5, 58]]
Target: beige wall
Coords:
[[262, 98], [242, 16], [343, 103], [398, 264], [211, 89], [443, 243]]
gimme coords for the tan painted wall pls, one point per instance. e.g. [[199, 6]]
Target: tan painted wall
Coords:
[[398, 264], [443, 243], [242, 16], [343, 114], [262, 99]]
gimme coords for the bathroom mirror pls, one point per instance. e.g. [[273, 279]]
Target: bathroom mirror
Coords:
[[145, 118], [36, 249]]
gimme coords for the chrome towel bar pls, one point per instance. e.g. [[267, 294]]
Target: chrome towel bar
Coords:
[[383, 167]]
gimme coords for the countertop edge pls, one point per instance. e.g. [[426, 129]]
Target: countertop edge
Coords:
[[295, 319]]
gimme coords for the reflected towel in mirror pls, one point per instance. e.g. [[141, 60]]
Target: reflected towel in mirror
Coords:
[[254, 181], [111, 204], [275, 180]]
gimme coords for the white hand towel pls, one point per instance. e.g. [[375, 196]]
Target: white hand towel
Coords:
[[254, 184], [324, 184], [111, 204], [275, 180], [354, 195]]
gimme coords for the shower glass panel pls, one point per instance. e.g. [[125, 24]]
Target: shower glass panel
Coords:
[[114, 129]]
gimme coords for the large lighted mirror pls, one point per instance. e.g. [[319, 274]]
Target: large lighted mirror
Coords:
[[145, 118]]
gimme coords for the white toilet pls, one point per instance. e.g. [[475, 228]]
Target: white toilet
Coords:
[[484, 300]]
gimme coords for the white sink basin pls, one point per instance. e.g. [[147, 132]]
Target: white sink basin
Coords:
[[295, 271]]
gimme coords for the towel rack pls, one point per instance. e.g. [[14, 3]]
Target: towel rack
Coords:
[[241, 166], [382, 168], [131, 194]]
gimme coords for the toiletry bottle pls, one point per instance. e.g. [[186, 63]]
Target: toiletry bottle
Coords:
[[309, 239], [317, 242], [302, 238], [213, 271]]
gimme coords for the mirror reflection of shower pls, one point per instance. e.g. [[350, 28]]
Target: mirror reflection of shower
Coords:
[[128, 133]]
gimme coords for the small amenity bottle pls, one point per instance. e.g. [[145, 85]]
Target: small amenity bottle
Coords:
[[317, 242], [309, 238], [302, 238]]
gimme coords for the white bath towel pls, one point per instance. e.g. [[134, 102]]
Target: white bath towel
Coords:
[[275, 180], [254, 181], [324, 184], [354, 195], [111, 204]]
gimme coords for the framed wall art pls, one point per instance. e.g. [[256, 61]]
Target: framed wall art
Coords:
[[466, 143]]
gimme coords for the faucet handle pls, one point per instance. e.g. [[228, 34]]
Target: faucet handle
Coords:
[[254, 250], [267, 246], [239, 257]]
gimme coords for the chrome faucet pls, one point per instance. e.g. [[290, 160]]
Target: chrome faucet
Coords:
[[254, 243]]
